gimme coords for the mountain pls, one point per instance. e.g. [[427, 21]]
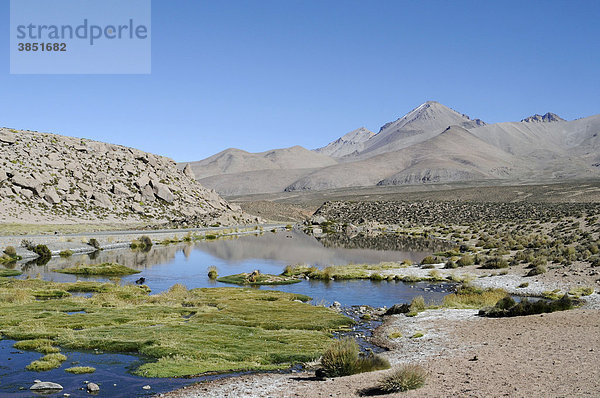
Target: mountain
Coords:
[[347, 144], [49, 178], [548, 117], [422, 123], [453, 155], [231, 161], [435, 144]]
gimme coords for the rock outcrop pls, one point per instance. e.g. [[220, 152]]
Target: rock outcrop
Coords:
[[53, 178]]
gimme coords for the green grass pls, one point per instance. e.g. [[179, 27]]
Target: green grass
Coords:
[[472, 297], [47, 362], [261, 279], [342, 359], [45, 346], [9, 272], [342, 272], [106, 269], [66, 253], [78, 370], [581, 291], [182, 332]]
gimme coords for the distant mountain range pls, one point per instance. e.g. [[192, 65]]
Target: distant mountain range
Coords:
[[430, 144]]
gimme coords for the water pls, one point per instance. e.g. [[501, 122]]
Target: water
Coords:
[[163, 266]]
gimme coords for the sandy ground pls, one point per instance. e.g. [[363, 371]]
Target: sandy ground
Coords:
[[550, 355]]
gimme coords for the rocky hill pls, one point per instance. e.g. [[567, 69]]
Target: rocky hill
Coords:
[[48, 178]]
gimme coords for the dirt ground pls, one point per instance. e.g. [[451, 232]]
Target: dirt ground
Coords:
[[549, 355]]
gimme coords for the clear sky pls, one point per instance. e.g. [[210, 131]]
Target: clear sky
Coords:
[[261, 74]]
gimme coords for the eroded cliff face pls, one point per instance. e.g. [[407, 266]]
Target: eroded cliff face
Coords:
[[46, 178]]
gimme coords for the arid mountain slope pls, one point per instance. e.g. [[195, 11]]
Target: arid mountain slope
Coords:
[[48, 178], [232, 161], [442, 158], [421, 148], [352, 142]]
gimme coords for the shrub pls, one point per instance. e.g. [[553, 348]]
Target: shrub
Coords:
[[66, 253], [450, 264], [43, 252], [146, 241], [94, 243], [10, 251], [525, 307], [407, 377], [342, 359], [539, 269], [495, 263], [465, 261], [213, 272], [429, 260], [524, 284]]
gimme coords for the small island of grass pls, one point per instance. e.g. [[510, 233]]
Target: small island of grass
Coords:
[[256, 278], [9, 272], [104, 269]]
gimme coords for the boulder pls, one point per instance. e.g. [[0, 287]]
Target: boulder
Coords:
[[101, 199], [147, 194], [120, 189], [137, 208], [63, 184], [45, 385], [7, 137], [318, 220], [187, 170], [142, 181], [398, 309], [3, 176], [93, 387], [51, 196], [27, 183], [163, 192]]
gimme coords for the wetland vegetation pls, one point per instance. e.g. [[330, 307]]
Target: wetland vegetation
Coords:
[[180, 332]]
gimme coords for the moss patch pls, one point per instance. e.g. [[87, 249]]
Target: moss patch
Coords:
[[47, 362], [185, 332], [106, 269]]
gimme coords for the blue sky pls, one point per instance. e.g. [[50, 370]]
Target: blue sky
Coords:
[[263, 74]]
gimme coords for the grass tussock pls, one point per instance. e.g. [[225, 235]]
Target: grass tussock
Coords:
[[104, 269], [45, 346], [47, 362], [404, 378], [472, 297], [182, 332], [342, 358], [79, 370], [213, 273]]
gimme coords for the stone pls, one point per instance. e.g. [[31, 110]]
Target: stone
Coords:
[[27, 183], [120, 189], [102, 199], [398, 309], [163, 192], [93, 387], [51, 197], [142, 181], [7, 137], [146, 387], [187, 170], [147, 194], [27, 193], [318, 220], [3, 176], [129, 168], [45, 385], [63, 184], [137, 208]]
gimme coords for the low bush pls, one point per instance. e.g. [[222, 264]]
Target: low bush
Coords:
[[508, 308], [405, 378], [429, 260], [495, 263], [94, 243], [10, 251], [43, 252], [66, 253], [537, 270], [465, 261], [342, 359], [213, 273]]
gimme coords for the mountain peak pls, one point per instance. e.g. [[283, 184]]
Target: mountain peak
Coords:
[[347, 144], [547, 118]]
